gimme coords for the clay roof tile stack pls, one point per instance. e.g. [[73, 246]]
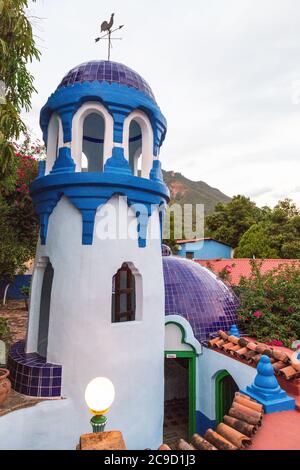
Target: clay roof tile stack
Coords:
[[250, 352], [235, 432]]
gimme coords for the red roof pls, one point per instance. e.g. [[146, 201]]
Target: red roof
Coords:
[[242, 266]]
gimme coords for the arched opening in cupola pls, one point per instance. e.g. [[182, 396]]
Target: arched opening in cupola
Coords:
[[92, 143], [135, 148], [138, 143], [54, 141]]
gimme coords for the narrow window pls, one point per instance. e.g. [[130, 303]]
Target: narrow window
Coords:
[[45, 311], [123, 295]]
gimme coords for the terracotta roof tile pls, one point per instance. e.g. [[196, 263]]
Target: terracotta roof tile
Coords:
[[250, 351], [236, 431]]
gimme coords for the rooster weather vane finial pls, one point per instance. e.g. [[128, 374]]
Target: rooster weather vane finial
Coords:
[[106, 27]]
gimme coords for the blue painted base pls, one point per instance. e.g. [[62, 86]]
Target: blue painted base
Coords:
[[203, 423], [271, 402]]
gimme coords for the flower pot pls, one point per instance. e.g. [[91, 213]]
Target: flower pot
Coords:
[[5, 385]]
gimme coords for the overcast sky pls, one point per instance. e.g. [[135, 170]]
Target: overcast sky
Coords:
[[225, 73]]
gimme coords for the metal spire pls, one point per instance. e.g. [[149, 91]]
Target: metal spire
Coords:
[[107, 26]]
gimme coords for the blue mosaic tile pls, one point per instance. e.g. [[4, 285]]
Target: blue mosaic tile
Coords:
[[196, 294], [31, 375], [108, 71]]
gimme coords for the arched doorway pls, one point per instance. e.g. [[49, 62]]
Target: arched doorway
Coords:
[[225, 388], [42, 344]]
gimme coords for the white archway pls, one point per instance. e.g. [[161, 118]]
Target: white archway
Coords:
[[77, 131], [54, 141], [147, 140]]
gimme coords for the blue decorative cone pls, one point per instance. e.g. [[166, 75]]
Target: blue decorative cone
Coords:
[[64, 162], [117, 163], [234, 331], [266, 390]]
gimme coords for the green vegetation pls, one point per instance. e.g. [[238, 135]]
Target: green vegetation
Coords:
[[230, 221], [270, 304], [5, 333], [255, 232], [18, 221], [17, 48]]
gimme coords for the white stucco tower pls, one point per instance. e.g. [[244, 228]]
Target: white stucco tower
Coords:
[[97, 294]]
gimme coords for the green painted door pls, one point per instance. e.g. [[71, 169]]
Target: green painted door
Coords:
[[191, 356], [225, 390]]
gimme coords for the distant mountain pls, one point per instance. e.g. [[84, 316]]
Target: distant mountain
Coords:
[[185, 191]]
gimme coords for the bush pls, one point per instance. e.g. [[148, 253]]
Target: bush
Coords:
[[5, 333], [270, 304]]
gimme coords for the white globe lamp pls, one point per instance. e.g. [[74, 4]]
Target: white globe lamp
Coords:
[[99, 396]]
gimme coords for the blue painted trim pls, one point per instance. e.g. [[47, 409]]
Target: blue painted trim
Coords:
[[88, 191], [203, 423], [120, 100], [42, 168], [64, 162], [117, 163], [93, 139]]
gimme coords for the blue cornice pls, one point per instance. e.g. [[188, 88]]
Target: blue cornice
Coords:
[[88, 191]]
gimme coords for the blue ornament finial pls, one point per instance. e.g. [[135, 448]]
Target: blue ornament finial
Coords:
[[234, 331], [156, 173], [266, 390], [117, 163], [64, 162]]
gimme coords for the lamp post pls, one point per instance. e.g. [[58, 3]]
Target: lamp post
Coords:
[[99, 396]]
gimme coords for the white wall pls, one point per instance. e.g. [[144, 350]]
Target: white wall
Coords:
[[45, 426], [86, 343]]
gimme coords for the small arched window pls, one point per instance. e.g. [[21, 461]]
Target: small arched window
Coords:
[[123, 295]]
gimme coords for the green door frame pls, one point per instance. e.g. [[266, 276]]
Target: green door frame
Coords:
[[191, 355], [219, 394]]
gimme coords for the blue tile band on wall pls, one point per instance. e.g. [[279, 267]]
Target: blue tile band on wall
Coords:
[[88, 191], [32, 375], [193, 292]]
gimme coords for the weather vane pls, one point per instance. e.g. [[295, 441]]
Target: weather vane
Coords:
[[107, 26]]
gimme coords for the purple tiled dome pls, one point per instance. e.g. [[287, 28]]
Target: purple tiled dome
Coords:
[[106, 71], [199, 296]]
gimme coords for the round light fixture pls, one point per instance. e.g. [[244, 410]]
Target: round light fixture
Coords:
[[99, 395]]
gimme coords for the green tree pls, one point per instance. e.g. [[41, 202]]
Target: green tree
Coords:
[[17, 48], [277, 236], [256, 243], [230, 221]]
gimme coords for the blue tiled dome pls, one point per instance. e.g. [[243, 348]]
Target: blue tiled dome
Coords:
[[106, 71], [199, 296]]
